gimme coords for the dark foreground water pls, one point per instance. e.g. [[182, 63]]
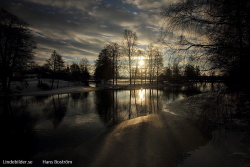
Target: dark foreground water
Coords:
[[51, 127]]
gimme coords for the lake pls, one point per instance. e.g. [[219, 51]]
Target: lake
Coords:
[[51, 127]]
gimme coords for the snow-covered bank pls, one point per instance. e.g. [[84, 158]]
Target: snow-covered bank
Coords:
[[30, 88], [74, 89], [168, 139], [153, 140]]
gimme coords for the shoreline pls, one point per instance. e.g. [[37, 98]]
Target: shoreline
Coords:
[[74, 89], [34, 91]]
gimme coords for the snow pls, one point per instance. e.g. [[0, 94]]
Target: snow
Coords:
[[31, 88]]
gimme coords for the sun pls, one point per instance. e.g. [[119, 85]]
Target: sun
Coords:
[[141, 63]]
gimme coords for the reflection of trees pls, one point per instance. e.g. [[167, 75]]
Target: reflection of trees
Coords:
[[172, 93], [56, 110], [75, 96], [113, 109], [116, 106], [80, 99], [84, 101], [40, 99], [191, 90], [227, 105], [18, 137], [106, 106]]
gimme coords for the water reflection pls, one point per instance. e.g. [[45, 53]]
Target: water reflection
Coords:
[[117, 106], [55, 110], [49, 127]]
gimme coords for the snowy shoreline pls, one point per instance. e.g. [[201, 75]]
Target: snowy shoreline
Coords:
[[31, 88]]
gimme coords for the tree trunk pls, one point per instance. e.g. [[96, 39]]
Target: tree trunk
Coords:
[[57, 83], [130, 71], [52, 81]]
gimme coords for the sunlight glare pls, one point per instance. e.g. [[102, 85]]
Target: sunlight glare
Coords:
[[141, 63], [141, 94]]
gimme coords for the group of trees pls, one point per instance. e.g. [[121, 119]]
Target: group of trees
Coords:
[[55, 69], [16, 45], [175, 73], [127, 58], [222, 28], [54, 65], [107, 66], [16, 56], [155, 65]]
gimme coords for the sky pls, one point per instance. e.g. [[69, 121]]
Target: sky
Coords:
[[81, 28]]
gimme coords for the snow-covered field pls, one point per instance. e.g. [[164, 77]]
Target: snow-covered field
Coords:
[[31, 87]]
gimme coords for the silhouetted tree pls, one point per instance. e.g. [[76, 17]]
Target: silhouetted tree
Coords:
[[168, 73], [176, 71], [66, 73], [158, 61], [75, 72], [55, 63], [84, 67], [222, 28], [114, 54], [16, 45], [151, 53], [155, 62], [103, 70], [197, 71], [189, 71], [129, 47]]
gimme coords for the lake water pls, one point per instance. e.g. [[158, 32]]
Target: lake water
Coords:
[[50, 127]]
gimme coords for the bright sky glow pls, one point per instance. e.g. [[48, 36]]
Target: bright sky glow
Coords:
[[141, 63]]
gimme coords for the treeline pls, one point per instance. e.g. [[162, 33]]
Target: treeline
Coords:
[[176, 74], [16, 58], [56, 70], [127, 60]]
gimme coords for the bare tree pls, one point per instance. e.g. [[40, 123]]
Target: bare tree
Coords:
[[129, 48], [219, 29], [158, 60], [16, 45], [142, 65], [151, 52], [114, 54], [84, 67], [55, 63], [155, 62]]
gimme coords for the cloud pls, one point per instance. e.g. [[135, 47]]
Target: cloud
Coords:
[[78, 28], [147, 34], [66, 4], [78, 39], [109, 14], [151, 4]]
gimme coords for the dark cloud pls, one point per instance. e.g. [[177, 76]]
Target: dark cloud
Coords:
[[66, 4], [110, 14], [78, 29]]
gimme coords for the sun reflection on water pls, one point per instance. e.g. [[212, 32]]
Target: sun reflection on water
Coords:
[[141, 94]]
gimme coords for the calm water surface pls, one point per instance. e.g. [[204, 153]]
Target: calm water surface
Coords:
[[50, 127]]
